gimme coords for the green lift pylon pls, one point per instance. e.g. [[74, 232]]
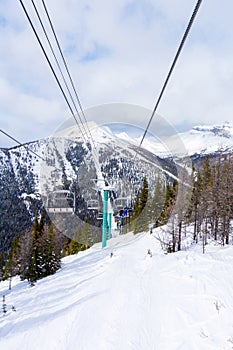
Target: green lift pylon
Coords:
[[109, 225], [105, 218]]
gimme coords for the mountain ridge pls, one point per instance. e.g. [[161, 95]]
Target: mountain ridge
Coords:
[[25, 181]]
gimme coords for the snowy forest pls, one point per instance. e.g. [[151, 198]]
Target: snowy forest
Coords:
[[206, 206]]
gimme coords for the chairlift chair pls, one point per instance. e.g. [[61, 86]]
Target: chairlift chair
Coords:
[[121, 203], [61, 201], [93, 204]]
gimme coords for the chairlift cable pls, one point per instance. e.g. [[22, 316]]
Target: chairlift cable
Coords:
[[57, 79], [195, 11], [53, 71], [164, 85], [27, 148], [68, 208], [59, 67], [21, 144], [68, 72], [48, 60]]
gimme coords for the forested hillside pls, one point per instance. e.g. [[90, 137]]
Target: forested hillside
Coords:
[[205, 203]]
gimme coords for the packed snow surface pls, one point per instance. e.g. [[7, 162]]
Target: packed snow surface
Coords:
[[181, 301]]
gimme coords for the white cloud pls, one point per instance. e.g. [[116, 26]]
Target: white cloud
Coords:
[[25, 116], [118, 51]]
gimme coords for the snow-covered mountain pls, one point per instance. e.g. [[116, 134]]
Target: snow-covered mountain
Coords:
[[202, 140], [208, 139], [129, 301], [29, 173], [66, 161]]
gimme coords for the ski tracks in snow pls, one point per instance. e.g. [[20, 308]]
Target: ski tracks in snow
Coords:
[[139, 300]]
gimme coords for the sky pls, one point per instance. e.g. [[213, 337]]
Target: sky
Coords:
[[117, 52]]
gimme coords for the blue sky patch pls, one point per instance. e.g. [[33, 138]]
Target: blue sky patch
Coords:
[[143, 10], [3, 22], [98, 52]]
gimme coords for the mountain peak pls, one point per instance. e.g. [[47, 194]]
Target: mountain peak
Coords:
[[225, 129]]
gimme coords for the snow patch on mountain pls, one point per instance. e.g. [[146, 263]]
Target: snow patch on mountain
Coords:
[[207, 139], [201, 139]]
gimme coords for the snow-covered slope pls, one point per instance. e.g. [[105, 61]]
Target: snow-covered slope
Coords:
[[130, 301], [203, 139], [69, 162], [208, 139]]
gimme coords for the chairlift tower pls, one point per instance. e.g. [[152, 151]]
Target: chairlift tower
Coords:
[[107, 217]]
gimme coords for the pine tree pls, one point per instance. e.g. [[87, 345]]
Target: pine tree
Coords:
[[142, 210], [36, 229], [41, 224], [170, 196], [136, 212], [25, 254], [212, 200], [87, 239], [136, 209], [35, 259], [51, 254], [75, 246], [225, 200], [11, 267], [206, 199], [33, 273], [195, 204], [65, 246], [143, 194], [157, 202], [36, 269], [216, 212], [44, 258]]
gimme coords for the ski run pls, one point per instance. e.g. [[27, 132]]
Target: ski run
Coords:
[[121, 297]]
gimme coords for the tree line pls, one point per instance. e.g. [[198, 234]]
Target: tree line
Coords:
[[208, 206], [212, 200], [38, 252]]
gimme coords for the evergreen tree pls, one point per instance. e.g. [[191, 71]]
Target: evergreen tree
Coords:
[[51, 255], [195, 204], [136, 212], [33, 273], [225, 200], [170, 196], [35, 258], [142, 210], [216, 208], [212, 200], [41, 224], [66, 247], [11, 267], [86, 236], [157, 202], [25, 254], [143, 195], [75, 246], [45, 254]]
